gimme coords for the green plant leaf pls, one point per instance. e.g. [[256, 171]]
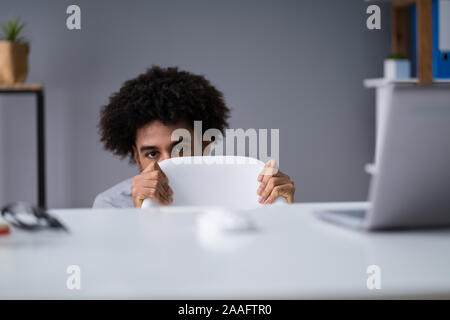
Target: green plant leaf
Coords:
[[396, 56], [12, 29]]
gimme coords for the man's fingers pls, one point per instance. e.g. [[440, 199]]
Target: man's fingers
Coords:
[[270, 169], [164, 194], [142, 194], [151, 166], [154, 166], [158, 197], [273, 195], [265, 189], [155, 175], [155, 193], [285, 190], [168, 189], [163, 181], [166, 199], [163, 191], [265, 180], [159, 168], [153, 185]]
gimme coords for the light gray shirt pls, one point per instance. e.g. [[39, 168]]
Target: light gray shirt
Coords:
[[118, 196]]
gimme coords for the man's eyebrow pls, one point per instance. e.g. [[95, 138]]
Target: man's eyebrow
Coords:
[[145, 148], [173, 144]]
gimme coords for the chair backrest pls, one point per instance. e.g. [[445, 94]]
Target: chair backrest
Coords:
[[229, 181]]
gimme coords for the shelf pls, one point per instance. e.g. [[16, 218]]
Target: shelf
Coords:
[[37, 90], [380, 82], [22, 87]]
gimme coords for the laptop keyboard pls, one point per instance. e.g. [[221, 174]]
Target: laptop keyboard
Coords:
[[354, 213]]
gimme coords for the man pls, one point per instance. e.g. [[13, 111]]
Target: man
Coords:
[[138, 123]]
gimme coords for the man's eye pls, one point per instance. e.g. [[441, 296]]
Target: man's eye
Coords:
[[152, 154]]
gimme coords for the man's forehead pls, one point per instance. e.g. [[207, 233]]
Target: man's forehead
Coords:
[[157, 133]]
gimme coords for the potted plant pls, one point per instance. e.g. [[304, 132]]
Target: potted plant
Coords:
[[14, 51], [397, 66]]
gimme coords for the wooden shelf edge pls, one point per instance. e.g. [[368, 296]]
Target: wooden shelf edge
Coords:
[[32, 86], [379, 82]]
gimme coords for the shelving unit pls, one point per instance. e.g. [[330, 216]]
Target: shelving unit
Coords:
[[36, 89], [400, 30], [400, 43], [383, 95]]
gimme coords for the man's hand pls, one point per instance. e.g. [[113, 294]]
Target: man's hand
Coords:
[[274, 183], [151, 183]]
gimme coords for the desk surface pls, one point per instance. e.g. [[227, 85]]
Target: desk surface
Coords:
[[157, 255]]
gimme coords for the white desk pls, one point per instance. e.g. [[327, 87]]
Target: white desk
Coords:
[[132, 254]]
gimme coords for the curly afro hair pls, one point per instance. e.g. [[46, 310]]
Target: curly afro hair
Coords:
[[164, 94]]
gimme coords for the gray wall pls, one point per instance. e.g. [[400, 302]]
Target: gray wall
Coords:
[[293, 65]]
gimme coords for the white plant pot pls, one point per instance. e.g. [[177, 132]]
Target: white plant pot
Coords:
[[397, 69]]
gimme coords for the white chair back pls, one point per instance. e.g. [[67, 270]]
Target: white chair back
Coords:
[[227, 181]]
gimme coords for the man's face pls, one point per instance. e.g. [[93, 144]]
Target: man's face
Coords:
[[153, 142]]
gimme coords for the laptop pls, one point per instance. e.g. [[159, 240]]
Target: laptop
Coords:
[[411, 184]]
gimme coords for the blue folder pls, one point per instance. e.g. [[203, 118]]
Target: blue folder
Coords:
[[441, 60]]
